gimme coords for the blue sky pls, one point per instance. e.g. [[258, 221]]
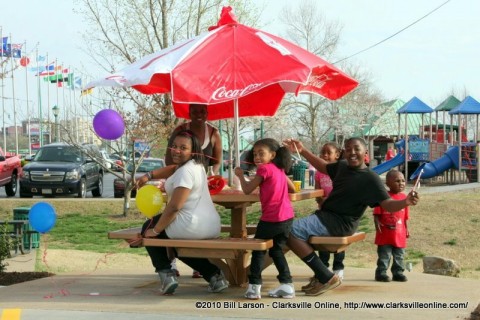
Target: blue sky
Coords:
[[428, 60]]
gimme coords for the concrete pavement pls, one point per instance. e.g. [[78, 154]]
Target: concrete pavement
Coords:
[[133, 294]]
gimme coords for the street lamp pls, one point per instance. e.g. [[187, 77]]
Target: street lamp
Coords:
[[56, 111]]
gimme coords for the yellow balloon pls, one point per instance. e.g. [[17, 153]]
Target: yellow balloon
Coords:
[[149, 200]]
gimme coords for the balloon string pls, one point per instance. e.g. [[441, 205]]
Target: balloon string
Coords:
[[213, 158]]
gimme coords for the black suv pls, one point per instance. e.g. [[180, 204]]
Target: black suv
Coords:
[[63, 169]]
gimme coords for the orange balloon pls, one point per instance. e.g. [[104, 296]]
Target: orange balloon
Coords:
[[149, 200]]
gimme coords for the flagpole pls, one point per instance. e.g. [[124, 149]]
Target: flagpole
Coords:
[[28, 106], [13, 96], [3, 97], [56, 126], [39, 97], [48, 107]]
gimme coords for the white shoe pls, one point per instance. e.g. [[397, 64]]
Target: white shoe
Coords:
[[339, 273], [285, 290], [253, 291], [217, 283]]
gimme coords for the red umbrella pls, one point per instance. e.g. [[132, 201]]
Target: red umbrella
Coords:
[[236, 70]]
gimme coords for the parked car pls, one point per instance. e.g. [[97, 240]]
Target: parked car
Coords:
[[148, 164], [116, 162], [63, 169], [10, 170], [106, 161]]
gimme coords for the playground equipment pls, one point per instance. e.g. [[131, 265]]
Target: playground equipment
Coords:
[[443, 148]]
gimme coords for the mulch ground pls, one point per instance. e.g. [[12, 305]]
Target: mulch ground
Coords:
[[9, 278]]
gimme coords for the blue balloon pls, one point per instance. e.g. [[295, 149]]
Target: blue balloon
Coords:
[[42, 217]]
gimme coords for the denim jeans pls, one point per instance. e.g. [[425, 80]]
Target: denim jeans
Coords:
[[385, 253]]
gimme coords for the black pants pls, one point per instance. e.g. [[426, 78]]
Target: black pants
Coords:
[[278, 231], [337, 259], [162, 262]]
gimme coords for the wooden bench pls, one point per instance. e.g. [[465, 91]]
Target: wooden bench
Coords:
[[335, 244], [229, 254], [251, 228]]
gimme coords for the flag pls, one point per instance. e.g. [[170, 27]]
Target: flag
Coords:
[[56, 78], [86, 91], [41, 58], [17, 50], [76, 83], [4, 44]]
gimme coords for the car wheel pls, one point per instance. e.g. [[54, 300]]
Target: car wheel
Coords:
[[11, 187], [82, 189], [117, 195], [98, 191]]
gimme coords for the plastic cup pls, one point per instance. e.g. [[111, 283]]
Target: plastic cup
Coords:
[[298, 185]]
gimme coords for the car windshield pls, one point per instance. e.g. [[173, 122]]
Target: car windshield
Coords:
[[63, 154], [146, 165]]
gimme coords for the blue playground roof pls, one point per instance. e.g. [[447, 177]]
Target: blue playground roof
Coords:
[[415, 105], [468, 106]]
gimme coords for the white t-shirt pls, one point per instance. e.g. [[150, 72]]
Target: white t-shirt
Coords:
[[198, 218]]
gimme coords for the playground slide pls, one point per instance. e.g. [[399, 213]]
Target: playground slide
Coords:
[[387, 165], [431, 169]]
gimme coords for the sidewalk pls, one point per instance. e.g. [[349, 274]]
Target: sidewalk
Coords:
[[134, 294]]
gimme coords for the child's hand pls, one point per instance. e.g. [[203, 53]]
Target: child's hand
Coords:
[[293, 145], [238, 172], [412, 198]]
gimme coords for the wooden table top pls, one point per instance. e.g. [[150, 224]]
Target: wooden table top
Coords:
[[230, 195]]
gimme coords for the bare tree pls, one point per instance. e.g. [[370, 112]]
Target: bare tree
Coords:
[[121, 32], [317, 118]]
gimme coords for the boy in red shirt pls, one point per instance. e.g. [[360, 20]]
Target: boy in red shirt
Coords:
[[392, 232]]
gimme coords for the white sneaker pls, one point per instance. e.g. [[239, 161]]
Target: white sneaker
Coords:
[[253, 291], [217, 283], [285, 290], [169, 282], [339, 273]]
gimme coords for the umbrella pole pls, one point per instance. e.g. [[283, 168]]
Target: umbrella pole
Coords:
[[236, 181]]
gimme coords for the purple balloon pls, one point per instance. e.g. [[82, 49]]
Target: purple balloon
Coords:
[[108, 124]]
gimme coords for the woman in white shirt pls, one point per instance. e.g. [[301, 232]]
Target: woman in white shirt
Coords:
[[189, 213]]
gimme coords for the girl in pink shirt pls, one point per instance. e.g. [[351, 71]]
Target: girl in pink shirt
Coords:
[[272, 161]]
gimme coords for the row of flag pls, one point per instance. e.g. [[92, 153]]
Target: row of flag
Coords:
[[51, 72], [10, 50]]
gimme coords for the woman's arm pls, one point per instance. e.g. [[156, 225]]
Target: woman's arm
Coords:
[[160, 173], [175, 203], [217, 151]]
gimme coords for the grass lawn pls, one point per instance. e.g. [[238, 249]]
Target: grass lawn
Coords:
[[442, 224]]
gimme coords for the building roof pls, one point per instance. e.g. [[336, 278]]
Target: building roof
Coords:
[[415, 105], [468, 106], [448, 104]]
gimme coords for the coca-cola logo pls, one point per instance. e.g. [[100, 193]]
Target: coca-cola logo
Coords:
[[222, 93], [318, 81]]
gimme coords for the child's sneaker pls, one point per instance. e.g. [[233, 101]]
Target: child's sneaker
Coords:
[[218, 283], [253, 291], [285, 290], [339, 273], [169, 281]]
